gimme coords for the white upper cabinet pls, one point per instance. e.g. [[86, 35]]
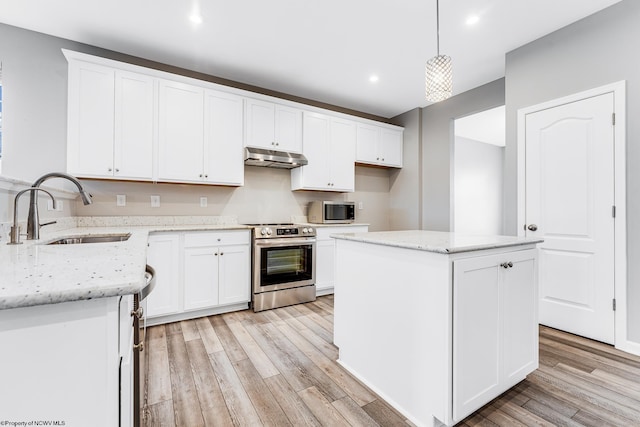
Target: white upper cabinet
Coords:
[[110, 122], [223, 156], [329, 145], [380, 146], [134, 126], [200, 135], [181, 132], [273, 126]]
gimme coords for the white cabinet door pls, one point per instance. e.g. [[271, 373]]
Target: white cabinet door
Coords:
[[224, 162], [367, 143], [90, 120], [260, 124], [200, 277], [272, 126], [495, 322], [520, 307], [134, 126], [391, 147], [181, 132], [163, 254], [234, 274], [325, 265], [288, 129], [476, 329], [342, 155]]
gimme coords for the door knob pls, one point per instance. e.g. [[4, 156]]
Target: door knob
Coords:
[[532, 227]]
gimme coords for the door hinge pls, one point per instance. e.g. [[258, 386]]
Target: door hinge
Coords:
[[613, 211], [614, 304], [613, 119]]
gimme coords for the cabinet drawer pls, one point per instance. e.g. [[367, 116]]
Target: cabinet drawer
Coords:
[[217, 238]]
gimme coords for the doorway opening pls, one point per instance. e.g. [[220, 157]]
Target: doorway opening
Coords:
[[477, 173]]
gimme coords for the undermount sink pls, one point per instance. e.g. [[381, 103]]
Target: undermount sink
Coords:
[[93, 238]]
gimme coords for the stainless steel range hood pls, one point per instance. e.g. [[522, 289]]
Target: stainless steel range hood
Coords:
[[273, 159]]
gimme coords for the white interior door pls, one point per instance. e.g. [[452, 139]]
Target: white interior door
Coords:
[[570, 199]]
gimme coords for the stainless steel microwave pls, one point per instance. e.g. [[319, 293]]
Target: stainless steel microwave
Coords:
[[325, 212]]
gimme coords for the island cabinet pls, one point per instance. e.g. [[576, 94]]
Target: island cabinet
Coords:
[[68, 363], [273, 126], [329, 143], [437, 324], [198, 273]]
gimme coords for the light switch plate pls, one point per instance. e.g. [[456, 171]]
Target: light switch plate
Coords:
[[360, 205], [121, 200], [155, 201], [203, 202]]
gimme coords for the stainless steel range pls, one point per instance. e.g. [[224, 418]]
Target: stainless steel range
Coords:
[[284, 265]]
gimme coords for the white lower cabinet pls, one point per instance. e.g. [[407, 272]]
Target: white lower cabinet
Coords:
[[65, 363], [199, 273], [495, 336], [163, 254], [326, 255]]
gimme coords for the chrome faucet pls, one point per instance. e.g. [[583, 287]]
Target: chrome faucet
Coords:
[[33, 222], [15, 228]]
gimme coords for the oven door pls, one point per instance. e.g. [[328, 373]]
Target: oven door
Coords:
[[283, 264]]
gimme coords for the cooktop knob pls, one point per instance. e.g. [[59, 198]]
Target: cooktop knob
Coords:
[[263, 232], [305, 230], [268, 232]]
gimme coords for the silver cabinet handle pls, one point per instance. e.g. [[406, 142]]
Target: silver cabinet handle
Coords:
[[532, 227]]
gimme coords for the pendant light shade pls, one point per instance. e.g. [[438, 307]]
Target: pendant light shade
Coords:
[[439, 70], [438, 78]]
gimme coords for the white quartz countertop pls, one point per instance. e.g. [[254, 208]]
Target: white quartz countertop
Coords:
[[34, 273], [436, 241]]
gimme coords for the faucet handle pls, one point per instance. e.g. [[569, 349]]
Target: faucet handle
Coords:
[[14, 235], [48, 223]]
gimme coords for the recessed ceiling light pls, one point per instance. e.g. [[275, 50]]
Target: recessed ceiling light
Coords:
[[195, 18], [473, 19], [373, 78]]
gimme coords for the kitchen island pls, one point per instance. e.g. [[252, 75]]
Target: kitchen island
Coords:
[[436, 323]]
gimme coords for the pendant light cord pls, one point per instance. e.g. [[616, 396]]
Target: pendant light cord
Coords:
[[438, 27]]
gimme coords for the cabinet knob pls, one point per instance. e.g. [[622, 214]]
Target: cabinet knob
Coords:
[[216, 254], [277, 144], [532, 227], [377, 158], [117, 170], [221, 253], [383, 159], [506, 264], [109, 169], [206, 176], [200, 175]]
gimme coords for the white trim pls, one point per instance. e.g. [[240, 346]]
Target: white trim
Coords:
[[620, 135]]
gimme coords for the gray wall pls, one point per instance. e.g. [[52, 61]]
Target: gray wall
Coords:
[[597, 50], [478, 174], [405, 184], [437, 146], [35, 134]]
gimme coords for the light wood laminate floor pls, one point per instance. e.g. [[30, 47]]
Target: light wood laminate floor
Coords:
[[277, 368]]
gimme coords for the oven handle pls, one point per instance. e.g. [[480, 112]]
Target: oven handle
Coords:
[[284, 242]]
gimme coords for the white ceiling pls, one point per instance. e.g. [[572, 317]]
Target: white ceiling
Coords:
[[323, 50], [486, 126]]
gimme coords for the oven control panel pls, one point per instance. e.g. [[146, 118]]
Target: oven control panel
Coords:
[[266, 232]]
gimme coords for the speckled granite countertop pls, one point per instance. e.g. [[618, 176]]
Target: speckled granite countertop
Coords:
[[436, 241], [35, 273]]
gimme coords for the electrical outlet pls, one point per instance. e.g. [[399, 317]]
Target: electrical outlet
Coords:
[[155, 201], [121, 200], [203, 202], [360, 205]]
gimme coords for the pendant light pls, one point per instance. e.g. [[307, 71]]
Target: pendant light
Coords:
[[438, 72]]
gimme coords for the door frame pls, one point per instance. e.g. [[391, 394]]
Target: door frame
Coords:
[[620, 229]]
